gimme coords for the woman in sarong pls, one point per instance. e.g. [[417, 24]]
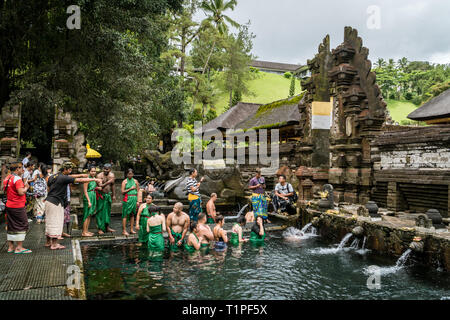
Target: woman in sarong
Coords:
[[129, 203], [16, 215], [220, 235], [237, 233], [156, 225], [89, 202], [40, 193], [193, 242], [143, 214], [258, 234]]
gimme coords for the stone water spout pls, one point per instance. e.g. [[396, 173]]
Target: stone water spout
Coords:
[[358, 231], [417, 245]]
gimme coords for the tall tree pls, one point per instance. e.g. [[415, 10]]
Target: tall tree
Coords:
[[109, 73]]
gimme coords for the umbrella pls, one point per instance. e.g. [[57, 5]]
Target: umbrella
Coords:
[[91, 153]]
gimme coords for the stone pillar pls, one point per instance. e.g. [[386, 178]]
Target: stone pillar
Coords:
[[394, 198]]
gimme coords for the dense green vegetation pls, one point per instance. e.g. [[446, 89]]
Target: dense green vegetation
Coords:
[[128, 79], [415, 81], [109, 73]]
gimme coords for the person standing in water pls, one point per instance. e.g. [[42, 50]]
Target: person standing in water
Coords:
[[211, 209], [104, 199], [194, 241], [177, 226], [204, 230], [156, 225], [236, 236], [258, 234], [129, 204], [195, 201], [220, 235], [143, 214], [89, 202]]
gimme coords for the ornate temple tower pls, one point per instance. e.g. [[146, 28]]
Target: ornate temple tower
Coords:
[[359, 112], [313, 147]]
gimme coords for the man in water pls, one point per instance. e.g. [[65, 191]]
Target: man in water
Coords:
[[195, 201], [204, 231], [284, 195], [177, 226], [259, 202], [211, 209], [104, 200]]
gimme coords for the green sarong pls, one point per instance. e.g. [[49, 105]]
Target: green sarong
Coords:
[[188, 247], [103, 216], [210, 220], [87, 212], [156, 238], [143, 234], [256, 238], [177, 237], [234, 238], [129, 202]]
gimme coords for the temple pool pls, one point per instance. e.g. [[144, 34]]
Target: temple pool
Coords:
[[281, 269]]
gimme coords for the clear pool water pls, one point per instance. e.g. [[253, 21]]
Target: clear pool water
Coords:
[[280, 269]]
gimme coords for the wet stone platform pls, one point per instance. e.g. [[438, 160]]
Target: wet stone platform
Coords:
[[40, 275]]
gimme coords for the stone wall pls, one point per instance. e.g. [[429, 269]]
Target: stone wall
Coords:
[[412, 169], [383, 237]]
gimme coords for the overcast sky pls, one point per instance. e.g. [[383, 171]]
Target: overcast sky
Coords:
[[291, 30]]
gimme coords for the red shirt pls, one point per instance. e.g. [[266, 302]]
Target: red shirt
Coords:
[[14, 199]]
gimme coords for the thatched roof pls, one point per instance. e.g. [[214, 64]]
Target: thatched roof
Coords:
[[277, 66], [436, 108], [275, 114], [232, 117]]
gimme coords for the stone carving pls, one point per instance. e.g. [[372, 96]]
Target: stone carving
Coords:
[[359, 115], [327, 198], [10, 133], [68, 141]]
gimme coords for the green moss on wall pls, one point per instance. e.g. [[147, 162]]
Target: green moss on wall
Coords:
[[276, 104]]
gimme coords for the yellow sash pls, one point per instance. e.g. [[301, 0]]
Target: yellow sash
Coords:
[[192, 197]]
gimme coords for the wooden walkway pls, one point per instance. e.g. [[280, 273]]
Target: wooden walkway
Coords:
[[40, 275]]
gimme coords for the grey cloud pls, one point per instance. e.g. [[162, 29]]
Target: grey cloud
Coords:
[[291, 30]]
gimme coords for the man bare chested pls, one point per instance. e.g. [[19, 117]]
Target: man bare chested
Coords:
[[177, 226], [104, 202], [204, 230], [211, 209]]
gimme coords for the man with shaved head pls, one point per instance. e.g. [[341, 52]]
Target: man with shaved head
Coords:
[[177, 226]]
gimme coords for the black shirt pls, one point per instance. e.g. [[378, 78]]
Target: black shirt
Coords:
[[57, 192]]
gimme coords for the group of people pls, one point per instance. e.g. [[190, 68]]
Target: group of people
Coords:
[[52, 197], [187, 234], [52, 205]]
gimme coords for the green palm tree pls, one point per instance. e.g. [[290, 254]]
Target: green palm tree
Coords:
[[214, 10]]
